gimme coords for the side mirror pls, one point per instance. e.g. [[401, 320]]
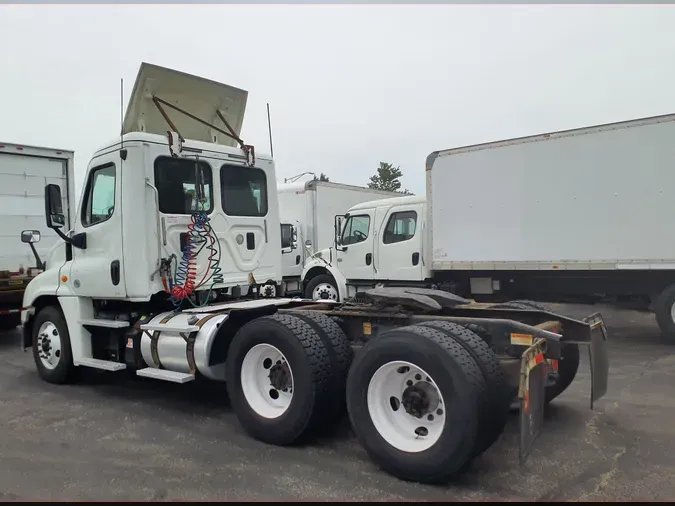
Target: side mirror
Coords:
[[30, 236], [286, 237], [338, 230], [54, 207], [294, 237]]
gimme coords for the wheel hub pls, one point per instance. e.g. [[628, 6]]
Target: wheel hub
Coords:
[[420, 399], [280, 376], [325, 292], [45, 344]]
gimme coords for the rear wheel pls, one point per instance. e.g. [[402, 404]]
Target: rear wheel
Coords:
[[412, 397], [340, 354], [278, 378], [51, 346], [664, 307], [494, 407], [568, 365]]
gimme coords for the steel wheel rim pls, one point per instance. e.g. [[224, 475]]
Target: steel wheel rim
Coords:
[[49, 345], [389, 395], [267, 381], [326, 289]]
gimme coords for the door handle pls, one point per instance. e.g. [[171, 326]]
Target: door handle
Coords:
[[415, 258], [369, 258], [115, 272]]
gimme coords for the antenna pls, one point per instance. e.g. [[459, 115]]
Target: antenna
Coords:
[[121, 115], [269, 128]]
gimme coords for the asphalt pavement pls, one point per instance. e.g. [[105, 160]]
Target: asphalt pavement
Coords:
[[111, 437]]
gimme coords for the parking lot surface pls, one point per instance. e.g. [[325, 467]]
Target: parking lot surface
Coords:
[[110, 437]]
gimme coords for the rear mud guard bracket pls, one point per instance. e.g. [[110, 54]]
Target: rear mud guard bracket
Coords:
[[598, 356], [533, 374]]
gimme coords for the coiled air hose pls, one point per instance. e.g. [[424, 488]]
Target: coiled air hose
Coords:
[[200, 236]]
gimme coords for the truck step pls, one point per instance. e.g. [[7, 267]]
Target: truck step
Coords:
[[162, 327], [100, 322], [96, 363], [164, 375]]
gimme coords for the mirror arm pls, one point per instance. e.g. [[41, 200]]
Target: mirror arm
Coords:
[[78, 240], [38, 261]]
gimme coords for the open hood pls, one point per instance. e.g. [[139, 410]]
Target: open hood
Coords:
[[195, 95]]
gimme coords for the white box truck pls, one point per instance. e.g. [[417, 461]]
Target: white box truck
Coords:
[[180, 205], [307, 210], [579, 215], [24, 173]]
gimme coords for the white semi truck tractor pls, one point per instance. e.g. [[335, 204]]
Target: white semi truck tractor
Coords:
[[162, 275]]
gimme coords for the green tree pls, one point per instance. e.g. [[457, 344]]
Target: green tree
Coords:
[[322, 177], [387, 179]]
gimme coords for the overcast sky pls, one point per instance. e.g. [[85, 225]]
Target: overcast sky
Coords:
[[348, 86]]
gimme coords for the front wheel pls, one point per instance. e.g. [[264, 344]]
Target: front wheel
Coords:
[[322, 287], [51, 346]]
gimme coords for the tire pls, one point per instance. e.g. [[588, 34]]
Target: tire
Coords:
[[461, 385], [310, 366], [531, 304], [325, 279], [340, 354], [494, 406], [663, 308], [50, 320], [568, 365]]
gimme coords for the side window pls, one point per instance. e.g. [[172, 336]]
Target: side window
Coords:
[[176, 180], [400, 227], [243, 190], [99, 197], [356, 230], [286, 235]]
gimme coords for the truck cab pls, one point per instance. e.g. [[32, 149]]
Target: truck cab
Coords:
[[176, 211], [375, 242]]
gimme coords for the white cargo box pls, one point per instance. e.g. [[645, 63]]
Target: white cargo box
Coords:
[[24, 173], [593, 198]]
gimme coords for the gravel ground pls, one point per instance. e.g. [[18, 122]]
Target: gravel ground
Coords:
[[113, 438]]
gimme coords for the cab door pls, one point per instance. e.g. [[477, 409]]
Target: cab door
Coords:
[[399, 244], [98, 270], [355, 251], [291, 250]]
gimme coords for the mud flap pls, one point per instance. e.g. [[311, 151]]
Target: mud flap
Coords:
[[598, 357], [533, 375]]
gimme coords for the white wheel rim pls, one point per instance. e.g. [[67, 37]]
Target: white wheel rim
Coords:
[[270, 291], [49, 345], [385, 397], [672, 312], [265, 398], [325, 291]]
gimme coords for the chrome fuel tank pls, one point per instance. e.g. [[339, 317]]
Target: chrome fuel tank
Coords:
[[182, 342]]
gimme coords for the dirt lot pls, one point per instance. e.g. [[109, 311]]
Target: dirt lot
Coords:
[[114, 439]]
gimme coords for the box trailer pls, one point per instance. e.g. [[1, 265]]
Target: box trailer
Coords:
[[24, 172]]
